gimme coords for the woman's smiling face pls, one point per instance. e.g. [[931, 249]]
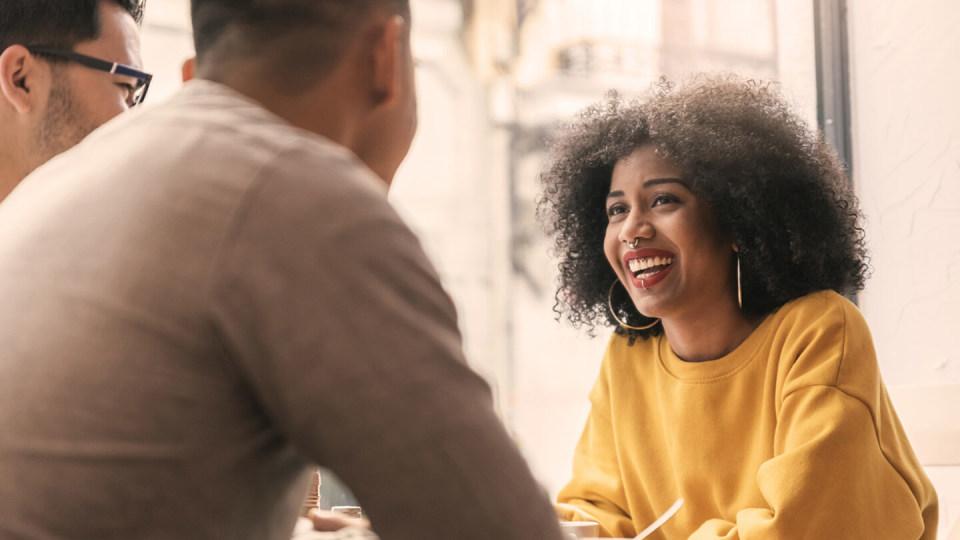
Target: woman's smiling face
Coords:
[[662, 242]]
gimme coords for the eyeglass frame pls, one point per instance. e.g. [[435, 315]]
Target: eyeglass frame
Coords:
[[114, 68]]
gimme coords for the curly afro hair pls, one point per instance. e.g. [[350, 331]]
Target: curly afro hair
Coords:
[[773, 185]]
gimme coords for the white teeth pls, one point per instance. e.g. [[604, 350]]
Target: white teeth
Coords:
[[646, 263]]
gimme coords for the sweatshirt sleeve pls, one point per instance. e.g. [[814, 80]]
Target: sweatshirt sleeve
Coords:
[[831, 476], [328, 306], [595, 493]]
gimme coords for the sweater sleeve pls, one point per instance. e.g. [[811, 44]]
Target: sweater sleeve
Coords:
[[595, 493], [831, 476], [329, 308]]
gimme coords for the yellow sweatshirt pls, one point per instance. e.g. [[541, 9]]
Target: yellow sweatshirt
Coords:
[[791, 435]]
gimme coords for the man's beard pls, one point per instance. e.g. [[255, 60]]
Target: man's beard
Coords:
[[63, 126]]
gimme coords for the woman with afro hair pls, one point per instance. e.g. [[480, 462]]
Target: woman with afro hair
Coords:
[[739, 396]]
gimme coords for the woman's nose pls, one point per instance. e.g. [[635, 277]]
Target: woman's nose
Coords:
[[634, 228]]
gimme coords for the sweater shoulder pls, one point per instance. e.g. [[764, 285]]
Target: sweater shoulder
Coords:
[[818, 315], [818, 308], [822, 339], [621, 354]]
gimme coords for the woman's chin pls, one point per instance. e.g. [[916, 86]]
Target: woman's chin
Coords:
[[650, 310]]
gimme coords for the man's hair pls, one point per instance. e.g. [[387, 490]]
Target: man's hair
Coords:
[[61, 23], [297, 39]]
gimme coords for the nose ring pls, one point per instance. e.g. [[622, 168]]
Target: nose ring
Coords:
[[634, 244]]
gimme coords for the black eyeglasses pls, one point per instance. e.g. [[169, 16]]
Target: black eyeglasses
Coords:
[[135, 95]]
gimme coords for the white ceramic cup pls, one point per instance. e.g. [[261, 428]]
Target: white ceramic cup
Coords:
[[580, 529]]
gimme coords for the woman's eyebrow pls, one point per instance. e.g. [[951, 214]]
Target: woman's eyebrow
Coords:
[[659, 181], [650, 183]]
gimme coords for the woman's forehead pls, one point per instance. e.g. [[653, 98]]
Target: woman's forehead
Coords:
[[644, 166]]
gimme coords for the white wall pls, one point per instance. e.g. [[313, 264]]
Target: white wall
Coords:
[[905, 80], [906, 139]]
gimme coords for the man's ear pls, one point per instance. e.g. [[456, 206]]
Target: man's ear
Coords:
[[19, 73], [188, 69], [388, 60]]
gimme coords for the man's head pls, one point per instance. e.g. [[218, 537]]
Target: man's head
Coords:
[[341, 68], [50, 98]]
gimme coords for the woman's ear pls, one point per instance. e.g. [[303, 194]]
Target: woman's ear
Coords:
[[20, 78]]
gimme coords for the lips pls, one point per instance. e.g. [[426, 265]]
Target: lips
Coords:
[[648, 267]]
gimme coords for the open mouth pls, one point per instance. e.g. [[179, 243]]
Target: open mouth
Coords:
[[647, 267]]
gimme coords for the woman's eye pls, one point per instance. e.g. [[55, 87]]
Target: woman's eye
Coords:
[[615, 210], [665, 198]]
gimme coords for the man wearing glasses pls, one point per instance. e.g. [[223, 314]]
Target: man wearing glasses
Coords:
[[65, 69]]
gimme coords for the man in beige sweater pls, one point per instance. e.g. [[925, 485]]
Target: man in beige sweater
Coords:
[[204, 299]]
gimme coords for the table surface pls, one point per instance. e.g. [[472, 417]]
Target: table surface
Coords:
[[304, 531]]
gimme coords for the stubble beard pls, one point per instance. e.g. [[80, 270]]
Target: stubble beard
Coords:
[[62, 127]]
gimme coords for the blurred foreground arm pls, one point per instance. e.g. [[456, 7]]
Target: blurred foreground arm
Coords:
[[336, 317]]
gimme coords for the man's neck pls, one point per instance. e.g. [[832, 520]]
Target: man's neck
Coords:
[[11, 174], [325, 110]]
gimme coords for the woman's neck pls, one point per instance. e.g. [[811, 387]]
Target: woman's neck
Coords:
[[709, 334]]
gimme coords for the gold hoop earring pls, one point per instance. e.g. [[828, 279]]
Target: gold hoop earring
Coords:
[[739, 287], [620, 321]]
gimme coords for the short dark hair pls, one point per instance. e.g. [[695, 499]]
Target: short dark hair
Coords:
[[298, 38], [55, 22], [773, 185]]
